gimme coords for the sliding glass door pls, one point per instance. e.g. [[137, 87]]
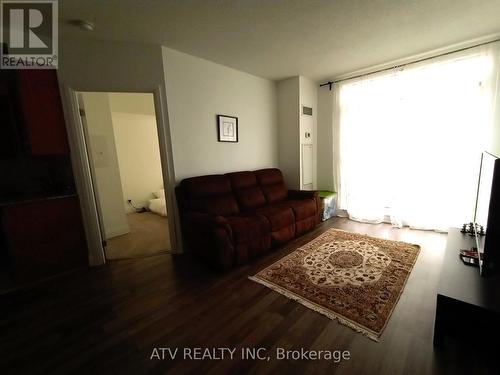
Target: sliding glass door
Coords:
[[410, 140]]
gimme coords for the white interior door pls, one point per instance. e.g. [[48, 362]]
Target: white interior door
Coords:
[[307, 167]]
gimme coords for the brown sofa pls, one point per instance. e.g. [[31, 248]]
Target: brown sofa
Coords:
[[231, 218]]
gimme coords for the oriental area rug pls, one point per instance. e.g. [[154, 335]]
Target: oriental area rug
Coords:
[[351, 277]]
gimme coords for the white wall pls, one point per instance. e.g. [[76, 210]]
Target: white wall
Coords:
[[138, 154], [136, 103], [289, 130], [92, 65], [495, 141], [103, 156], [325, 139], [293, 93], [198, 90]]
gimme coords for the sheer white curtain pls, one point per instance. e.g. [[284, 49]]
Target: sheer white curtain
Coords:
[[409, 141]]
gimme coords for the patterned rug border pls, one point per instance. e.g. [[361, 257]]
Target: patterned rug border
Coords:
[[313, 306], [365, 331]]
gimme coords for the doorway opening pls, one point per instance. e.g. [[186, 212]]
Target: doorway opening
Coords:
[[121, 136]]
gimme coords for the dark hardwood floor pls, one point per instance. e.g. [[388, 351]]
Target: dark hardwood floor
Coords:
[[109, 319]]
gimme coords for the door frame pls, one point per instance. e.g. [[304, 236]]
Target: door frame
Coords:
[[83, 176]]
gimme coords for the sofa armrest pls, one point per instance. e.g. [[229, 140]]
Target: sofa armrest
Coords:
[[303, 194], [211, 237], [212, 221], [307, 194]]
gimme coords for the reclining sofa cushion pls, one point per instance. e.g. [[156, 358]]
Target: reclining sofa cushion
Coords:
[[248, 193], [272, 184], [251, 235], [282, 222], [211, 194], [302, 209]]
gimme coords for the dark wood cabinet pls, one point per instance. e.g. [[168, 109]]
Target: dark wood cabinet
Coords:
[[41, 229], [10, 126], [44, 237], [468, 305], [42, 114]]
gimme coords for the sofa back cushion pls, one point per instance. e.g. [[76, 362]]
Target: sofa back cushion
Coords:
[[247, 190], [231, 193], [210, 194], [272, 184]]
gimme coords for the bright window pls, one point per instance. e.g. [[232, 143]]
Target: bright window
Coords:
[[410, 141]]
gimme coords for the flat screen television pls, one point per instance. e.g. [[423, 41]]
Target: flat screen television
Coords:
[[487, 214]]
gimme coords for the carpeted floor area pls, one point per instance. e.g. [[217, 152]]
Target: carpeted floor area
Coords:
[[148, 236]]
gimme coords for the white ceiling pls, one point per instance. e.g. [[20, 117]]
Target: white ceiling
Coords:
[[276, 39]]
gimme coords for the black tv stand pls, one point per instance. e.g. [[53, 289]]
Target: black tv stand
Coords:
[[467, 304]]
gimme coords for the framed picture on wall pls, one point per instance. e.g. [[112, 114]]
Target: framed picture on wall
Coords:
[[227, 128]]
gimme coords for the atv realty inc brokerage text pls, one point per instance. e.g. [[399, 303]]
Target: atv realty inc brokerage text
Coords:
[[259, 354]]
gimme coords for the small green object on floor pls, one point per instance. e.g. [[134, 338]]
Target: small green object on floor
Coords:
[[328, 204], [326, 193]]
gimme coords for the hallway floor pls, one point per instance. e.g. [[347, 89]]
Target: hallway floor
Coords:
[[148, 236]]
